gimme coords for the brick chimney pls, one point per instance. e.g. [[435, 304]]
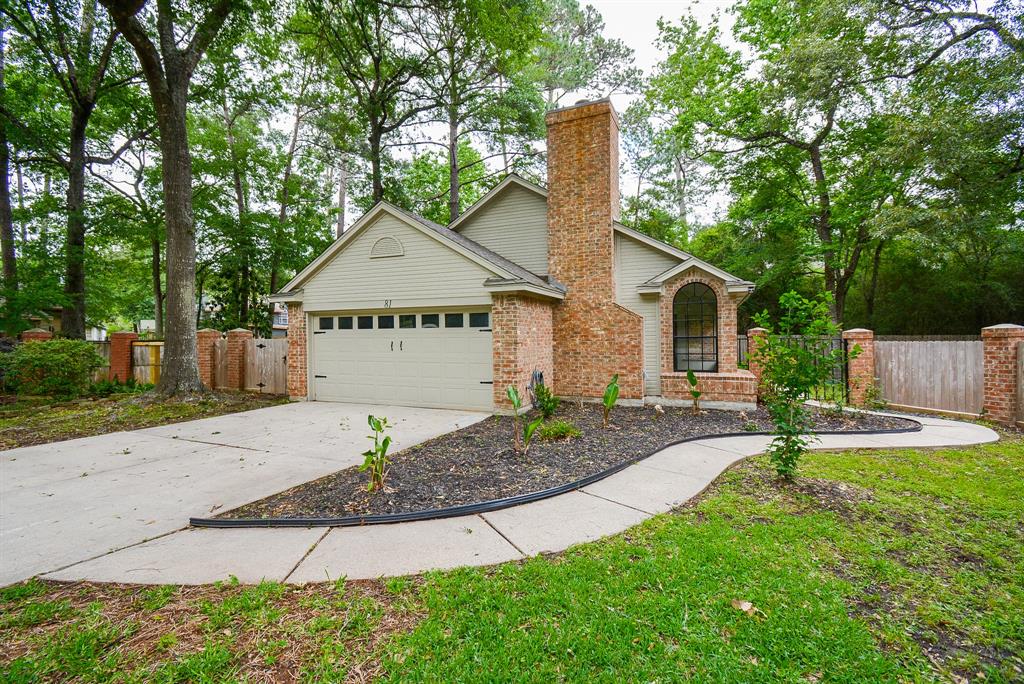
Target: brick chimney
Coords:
[[594, 337]]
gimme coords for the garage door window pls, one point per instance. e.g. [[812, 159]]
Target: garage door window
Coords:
[[365, 322], [327, 322], [407, 321], [479, 320], [344, 322], [453, 320], [385, 322], [431, 320]]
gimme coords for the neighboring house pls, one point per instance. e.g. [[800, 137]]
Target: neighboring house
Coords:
[[401, 310], [279, 322], [50, 320]]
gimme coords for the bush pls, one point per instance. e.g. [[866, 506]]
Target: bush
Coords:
[[546, 402], [104, 388], [57, 367], [559, 429]]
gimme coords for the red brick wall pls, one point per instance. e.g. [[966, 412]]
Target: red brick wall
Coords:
[[121, 354], [522, 333], [730, 383], [297, 377], [594, 337], [36, 335], [205, 339], [237, 339], [861, 371], [1001, 390]]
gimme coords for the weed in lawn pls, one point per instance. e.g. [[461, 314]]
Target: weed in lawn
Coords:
[[559, 429]]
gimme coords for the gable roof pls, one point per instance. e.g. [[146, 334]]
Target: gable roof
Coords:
[[511, 179], [508, 272]]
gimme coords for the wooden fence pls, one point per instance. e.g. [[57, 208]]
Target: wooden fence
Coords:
[[1020, 384], [945, 374], [265, 366], [103, 349]]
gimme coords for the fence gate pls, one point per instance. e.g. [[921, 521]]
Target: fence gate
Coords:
[[834, 389], [103, 349], [146, 362], [943, 374], [266, 365]]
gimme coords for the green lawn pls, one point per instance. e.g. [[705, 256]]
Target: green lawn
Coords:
[[894, 566], [25, 421]]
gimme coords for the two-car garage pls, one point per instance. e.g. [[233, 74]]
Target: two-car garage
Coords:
[[436, 358]]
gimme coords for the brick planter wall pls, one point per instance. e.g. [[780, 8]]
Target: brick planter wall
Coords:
[[861, 370], [1001, 389], [36, 335], [121, 355], [297, 377], [594, 337], [522, 331]]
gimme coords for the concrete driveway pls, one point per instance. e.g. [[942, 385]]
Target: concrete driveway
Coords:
[[71, 501]]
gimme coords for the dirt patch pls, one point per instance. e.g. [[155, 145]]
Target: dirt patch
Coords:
[[478, 463]]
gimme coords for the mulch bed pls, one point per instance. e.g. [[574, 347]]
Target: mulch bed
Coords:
[[477, 463]]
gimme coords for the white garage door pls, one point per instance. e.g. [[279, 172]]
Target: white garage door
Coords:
[[438, 359]]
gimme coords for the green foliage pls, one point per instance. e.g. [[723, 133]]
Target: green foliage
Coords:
[[795, 357], [58, 367], [611, 395], [376, 459], [559, 429], [547, 402], [104, 388], [691, 379], [524, 430]]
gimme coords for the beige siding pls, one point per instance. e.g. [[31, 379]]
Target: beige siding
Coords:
[[429, 274], [515, 225], [637, 263]]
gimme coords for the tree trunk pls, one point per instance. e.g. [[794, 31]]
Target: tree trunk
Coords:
[[453, 166], [869, 304], [72, 317], [342, 199], [158, 293], [180, 372], [823, 225], [375, 170], [10, 267]]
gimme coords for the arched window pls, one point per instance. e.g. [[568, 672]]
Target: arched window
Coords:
[[695, 328]]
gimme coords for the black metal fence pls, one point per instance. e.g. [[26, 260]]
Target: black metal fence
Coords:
[[836, 388]]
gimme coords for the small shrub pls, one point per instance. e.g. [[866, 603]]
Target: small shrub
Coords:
[[57, 368], [750, 426], [546, 402], [523, 432], [105, 388], [694, 392], [873, 398], [559, 429], [376, 459], [611, 395]]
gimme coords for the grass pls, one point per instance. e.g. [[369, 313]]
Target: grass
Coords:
[[25, 421], [872, 566]]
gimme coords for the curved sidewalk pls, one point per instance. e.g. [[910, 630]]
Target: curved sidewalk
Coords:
[[657, 484]]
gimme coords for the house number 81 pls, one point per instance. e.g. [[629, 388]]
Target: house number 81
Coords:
[[387, 303]]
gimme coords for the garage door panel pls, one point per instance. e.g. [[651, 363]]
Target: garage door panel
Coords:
[[435, 367]]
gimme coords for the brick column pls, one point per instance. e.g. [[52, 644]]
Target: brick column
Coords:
[[36, 335], [121, 355], [205, 340], [236, 357], [861, 374], [755, 337], [1001, 359], [521, 329], [297, 352]]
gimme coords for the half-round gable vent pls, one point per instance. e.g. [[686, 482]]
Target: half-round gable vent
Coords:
[[387, 246]]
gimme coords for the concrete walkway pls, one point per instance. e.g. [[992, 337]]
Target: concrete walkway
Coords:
[[657, 484], [68, 502]]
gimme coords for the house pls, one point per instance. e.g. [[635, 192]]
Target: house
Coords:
[[279, 320], [401, 310], [49, 320]]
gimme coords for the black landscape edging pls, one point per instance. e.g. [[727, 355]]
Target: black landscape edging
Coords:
[[494, 504]]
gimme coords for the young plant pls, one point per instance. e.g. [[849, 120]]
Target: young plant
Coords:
[[795, 357], [559, 429], [611, 395], [694, 392], [523, 432], [546, 402], [376, 459]]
